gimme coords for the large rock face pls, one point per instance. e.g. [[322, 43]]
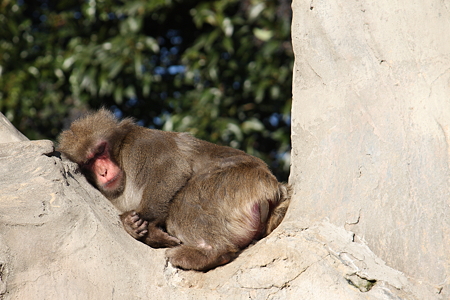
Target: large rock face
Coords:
[[371, 127], [61, 239]]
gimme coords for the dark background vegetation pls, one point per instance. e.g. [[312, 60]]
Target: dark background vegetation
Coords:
[[221, 70]]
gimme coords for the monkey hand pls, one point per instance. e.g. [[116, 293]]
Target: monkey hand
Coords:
[[134, 225], [149, 233]]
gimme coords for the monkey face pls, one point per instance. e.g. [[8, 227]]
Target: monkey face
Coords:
[[103, 172]]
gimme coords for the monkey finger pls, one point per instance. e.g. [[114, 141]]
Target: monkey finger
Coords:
[[134, 218], [137, 223], [129, 217], [132, 222], [143, 226], [142, 233]]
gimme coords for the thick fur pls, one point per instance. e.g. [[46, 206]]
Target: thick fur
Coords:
[[212, 200]]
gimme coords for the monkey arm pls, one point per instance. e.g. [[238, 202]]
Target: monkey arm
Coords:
[[158, 171], [155, 203], [167, 173]]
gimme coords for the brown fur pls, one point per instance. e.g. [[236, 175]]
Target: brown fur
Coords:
[[204, 200]]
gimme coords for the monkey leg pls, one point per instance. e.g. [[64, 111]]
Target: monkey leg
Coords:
[[198, 258], [147, 232], [218, 213]]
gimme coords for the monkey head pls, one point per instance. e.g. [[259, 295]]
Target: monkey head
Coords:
[[92, 143]]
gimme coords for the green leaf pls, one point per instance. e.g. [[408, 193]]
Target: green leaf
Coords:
[[116, 67], [263, 34], [252, 125]]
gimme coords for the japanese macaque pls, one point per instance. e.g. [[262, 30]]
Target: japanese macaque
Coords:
[[206, 202]]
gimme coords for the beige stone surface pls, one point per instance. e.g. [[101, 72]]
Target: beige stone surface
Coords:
[[8, 133], [371, 119], [61, 239]]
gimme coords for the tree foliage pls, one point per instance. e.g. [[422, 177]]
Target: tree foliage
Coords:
[[218, 69]]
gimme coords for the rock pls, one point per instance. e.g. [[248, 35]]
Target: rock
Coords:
[[61, 239], [370, 131], [8, 133]]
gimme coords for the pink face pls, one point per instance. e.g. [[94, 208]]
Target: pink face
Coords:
[[107, 175]]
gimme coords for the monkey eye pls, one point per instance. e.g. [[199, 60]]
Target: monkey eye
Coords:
[[96, 153], [88, 163], [101, 149]]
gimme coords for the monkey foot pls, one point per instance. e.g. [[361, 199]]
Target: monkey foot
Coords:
[[134, 225], [157, 238], [193, 258]]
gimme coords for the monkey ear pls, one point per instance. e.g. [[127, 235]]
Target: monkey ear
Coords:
[[64, 142]]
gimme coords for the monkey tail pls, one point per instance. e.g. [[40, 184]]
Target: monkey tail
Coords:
[[280, 207]]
